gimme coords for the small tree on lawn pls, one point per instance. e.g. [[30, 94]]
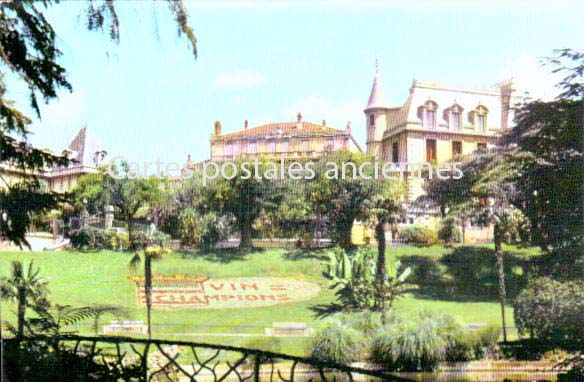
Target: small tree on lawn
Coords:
[[27, 288], [153, 252], [246, 197], [342, 197], [486, 194], [385, 207]]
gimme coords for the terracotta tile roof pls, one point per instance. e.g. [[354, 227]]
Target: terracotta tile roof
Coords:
[[288, 128]]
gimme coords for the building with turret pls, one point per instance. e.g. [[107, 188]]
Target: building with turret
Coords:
[[436, 123], [298, 140], [85, 153]]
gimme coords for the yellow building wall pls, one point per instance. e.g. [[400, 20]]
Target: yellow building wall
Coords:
[[468, 147], [443, 150], [416, 150]]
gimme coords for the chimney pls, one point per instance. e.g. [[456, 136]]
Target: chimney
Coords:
[[349, 126], [217, 128], [323, 123], [245, 124], [299, 121]]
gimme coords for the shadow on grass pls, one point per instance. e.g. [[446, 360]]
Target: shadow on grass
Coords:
[[221, 255], [466, 274], [306, 253]]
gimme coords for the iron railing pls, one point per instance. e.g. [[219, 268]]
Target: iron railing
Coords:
[[163, 360]]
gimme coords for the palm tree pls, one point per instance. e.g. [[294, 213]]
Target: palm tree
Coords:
[[154, 252], [26, 288], [384, 208]]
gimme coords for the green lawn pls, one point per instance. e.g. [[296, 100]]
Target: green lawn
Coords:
[[456, 281]]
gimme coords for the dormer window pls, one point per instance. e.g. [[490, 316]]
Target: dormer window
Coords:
[[454, 117], [479, 118], [428, 114]]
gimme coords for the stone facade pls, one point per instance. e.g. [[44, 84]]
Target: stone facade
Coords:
[[298, 140]]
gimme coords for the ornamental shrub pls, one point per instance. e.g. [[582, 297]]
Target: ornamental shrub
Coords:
[[202, 230], [417, 345], [419, 235], [96, 239], [551, 310], [89, 238], [338, 342], [448, 232]]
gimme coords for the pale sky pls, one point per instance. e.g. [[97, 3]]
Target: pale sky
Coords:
[[147, 98]]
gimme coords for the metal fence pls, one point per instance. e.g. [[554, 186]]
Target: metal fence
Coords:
[[159, 360]]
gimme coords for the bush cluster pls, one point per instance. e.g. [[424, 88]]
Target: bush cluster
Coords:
[[202, 230], [448, 232], [401, 345], [419, 235], [337, 342], [551, 310], [96, 239]]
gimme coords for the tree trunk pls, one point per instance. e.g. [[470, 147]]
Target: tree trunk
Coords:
[[245, 231], [21, 311], [380, 237], [148, 291], [344, 229], [130, 231], [501, 271]]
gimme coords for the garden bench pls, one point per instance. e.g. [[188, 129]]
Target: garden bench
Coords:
[[288, 329], [125, 327]]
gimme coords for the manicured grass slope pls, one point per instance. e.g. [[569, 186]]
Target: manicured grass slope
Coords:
[[82, 279]]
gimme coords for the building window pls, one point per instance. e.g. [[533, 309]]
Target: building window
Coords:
[[481, 146], [481, 122], [229, 149], [454, 117], [304, 145], [251, 148], [480, 118], [330, 145], [429, 114], [430, 150], [395, 152], [456, 148], [285, 146], [371, 120], [272, 147], [455, 120]]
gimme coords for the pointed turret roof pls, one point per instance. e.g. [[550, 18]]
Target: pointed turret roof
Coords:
[[377, 97], [85, 147]]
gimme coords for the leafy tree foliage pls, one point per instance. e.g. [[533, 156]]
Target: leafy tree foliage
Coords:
[[202, 230], [342, 196], [27, 288], [486, 193], [547, 140], [246, 197], [551, 310], [128, 195], [29, 52]]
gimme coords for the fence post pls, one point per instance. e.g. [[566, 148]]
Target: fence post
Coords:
[[256, 367]]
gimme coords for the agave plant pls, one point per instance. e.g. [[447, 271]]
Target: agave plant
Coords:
[[356, 276], [27, 288]]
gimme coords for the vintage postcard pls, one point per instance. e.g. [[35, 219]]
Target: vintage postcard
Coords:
[[291, 190]]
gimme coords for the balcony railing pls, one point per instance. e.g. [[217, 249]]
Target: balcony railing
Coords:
[[134, 359]]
